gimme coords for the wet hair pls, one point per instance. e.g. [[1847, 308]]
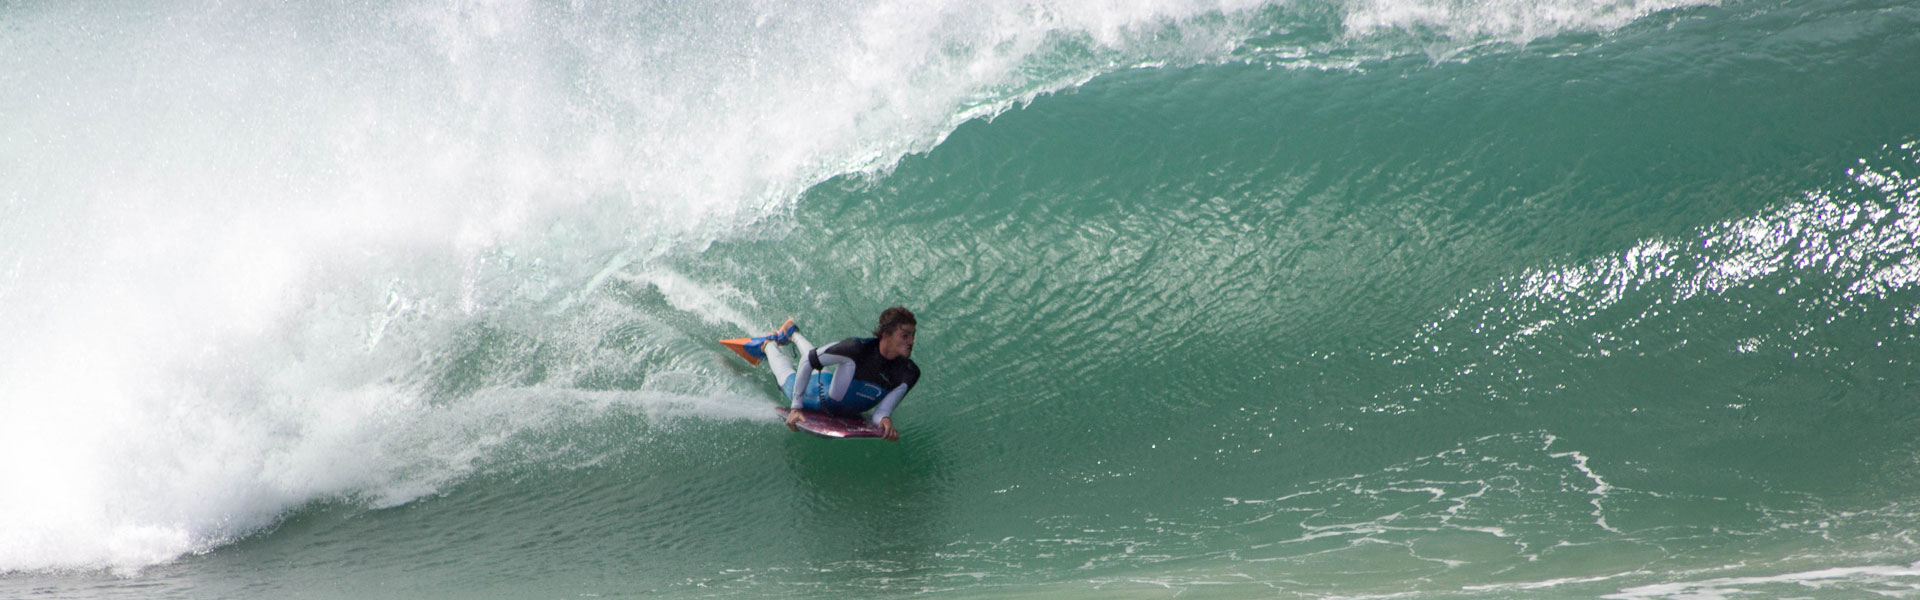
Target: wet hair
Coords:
[[893, 318]]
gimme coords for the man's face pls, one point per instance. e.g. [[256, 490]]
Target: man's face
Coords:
[[897, 343]]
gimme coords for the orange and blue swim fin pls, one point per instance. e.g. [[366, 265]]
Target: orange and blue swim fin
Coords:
[[750, 348]]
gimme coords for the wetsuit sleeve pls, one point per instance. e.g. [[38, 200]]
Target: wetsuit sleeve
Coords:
[[844, 349], [887, 404], [820, 360], [895, 395]]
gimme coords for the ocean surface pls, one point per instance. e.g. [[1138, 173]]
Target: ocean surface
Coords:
[[1220, 299]]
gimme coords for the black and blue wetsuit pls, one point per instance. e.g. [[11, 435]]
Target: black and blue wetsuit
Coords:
[[863, 380]]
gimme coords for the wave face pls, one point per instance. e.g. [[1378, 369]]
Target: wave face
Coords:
[[1306, 299]]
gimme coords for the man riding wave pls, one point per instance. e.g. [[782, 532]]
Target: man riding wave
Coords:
[[868, 373]]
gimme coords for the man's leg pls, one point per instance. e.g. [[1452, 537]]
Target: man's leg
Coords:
[[805, 346], [778, 361], [802, 379]]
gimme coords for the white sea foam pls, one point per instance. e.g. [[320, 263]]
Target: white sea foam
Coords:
[[710, 300], [1515, 21], [1883, 580]]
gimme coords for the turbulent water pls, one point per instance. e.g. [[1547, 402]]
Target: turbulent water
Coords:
[[1322, 298]]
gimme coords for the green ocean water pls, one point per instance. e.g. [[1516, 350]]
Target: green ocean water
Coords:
[[1298, 300]]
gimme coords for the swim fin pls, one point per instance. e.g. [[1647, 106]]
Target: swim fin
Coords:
[[750, 348]]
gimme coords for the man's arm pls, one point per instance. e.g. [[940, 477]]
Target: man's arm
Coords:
[[888, 403], [882, 416], [816, 361]]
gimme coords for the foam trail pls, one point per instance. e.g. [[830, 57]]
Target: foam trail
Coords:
[[1891, 581], [1600, 487], [712, 302]]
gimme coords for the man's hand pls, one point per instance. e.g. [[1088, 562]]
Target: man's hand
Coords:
[[887, 432], [793, 420]]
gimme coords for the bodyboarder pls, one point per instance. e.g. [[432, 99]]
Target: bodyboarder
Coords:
[[867, 373]]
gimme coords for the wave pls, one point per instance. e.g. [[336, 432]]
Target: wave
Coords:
[[263, 255], [1827, 266]]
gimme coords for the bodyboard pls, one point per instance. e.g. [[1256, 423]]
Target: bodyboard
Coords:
[[829, 426]]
